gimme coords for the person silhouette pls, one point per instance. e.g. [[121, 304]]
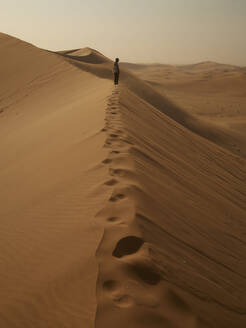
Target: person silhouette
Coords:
[[116, 71]]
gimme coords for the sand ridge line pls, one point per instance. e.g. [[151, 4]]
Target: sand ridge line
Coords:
[[117, 213], [128, 278]]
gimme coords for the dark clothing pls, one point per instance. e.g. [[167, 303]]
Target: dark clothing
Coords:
[[116, 71], [116, 78], [116, 68]]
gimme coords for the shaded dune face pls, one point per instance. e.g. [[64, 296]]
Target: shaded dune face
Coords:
[[213, 93], [113, 211]]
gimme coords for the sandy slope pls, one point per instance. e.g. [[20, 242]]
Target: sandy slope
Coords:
[[212, 93], [51, 152], [112, 212], [176, 225]]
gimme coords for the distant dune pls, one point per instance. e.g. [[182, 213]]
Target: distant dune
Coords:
[[120, 206], [213, 93]]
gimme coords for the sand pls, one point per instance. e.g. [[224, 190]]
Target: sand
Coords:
[[116, 209], [214, 94]]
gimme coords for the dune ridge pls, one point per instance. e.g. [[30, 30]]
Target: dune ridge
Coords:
[[228, 134]]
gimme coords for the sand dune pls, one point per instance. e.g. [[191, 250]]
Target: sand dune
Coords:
[[213, 94], [116, 210], [178, 213], [51, 152]]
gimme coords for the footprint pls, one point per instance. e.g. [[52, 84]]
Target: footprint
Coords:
[[107, 161], [117, 197], [113, 113], [112, 286], [115, 291], [124, 301], [146, 272], [104, 130], [111, 182], [113, 219], [112, 135], [117, 221], [128, 245], [115, 152], [118, 172]]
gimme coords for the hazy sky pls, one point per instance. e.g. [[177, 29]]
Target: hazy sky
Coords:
[[165, 31]]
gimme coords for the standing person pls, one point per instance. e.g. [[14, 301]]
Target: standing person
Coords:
[[116, 71]]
